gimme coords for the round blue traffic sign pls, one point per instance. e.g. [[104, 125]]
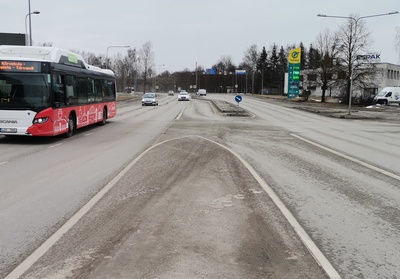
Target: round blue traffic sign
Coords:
[[238, 98]]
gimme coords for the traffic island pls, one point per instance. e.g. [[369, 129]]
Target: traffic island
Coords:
[[229, 109]]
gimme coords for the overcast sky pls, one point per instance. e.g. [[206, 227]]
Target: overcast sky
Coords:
[[184, 32]]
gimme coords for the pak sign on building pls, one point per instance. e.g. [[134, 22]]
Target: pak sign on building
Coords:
[[294, 60]]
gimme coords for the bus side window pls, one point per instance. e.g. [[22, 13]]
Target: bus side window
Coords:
[[82, 89], [58, 90], [110, 93], [70, 89], [98, 90], [90, 90]]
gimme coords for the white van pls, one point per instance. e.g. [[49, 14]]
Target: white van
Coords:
[[202, 92], [388, 95]]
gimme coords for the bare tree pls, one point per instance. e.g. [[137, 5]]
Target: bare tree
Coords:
[[251, 55], [89, 57], [225, 64], [121, 69], [250, 59], [327, 47], [353, 39], [146, 58], [133, 62], [45, 44]]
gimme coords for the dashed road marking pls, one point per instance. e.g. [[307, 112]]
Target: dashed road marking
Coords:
[[54, 145]]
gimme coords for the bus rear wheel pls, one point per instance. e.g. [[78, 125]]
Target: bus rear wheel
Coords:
[[71, 127], [104, 120]]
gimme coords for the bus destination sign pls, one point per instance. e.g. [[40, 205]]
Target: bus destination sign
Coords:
[[20, 66]]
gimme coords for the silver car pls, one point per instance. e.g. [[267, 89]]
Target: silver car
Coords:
[[150, 99], [183, 96]]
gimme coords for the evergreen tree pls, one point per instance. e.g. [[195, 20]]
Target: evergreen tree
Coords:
[[314, 58], [262, 66], [282, 68], [272, 73], [303, 61], [312, 68]]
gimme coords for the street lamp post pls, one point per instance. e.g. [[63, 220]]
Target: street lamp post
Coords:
[[107, 53], [252, 80], [30, 22], [352, 66], [196, 77], [262, 79], [30, 28]]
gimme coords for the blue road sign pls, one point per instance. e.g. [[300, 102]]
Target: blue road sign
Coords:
[[211, 72], [238, 98]]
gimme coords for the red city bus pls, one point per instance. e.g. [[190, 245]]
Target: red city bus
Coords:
[[46, 91]]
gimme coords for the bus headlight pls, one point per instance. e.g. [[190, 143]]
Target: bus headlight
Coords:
[[41, 120]]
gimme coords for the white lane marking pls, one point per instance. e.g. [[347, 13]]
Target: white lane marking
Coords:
[[311, 246], [3, 163], [392, 175], [88, 134], [282, 138], [40, 251], [55, 145], [180, 114]]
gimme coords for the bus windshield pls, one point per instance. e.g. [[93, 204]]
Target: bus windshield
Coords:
[[24, 91]]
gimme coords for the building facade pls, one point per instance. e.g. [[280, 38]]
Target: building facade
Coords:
[[391, 75], [387, 75]]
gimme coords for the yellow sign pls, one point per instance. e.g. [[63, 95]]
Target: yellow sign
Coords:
[[295, 56]]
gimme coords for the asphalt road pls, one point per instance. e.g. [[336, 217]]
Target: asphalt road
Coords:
[[190, 208], [187, 209]]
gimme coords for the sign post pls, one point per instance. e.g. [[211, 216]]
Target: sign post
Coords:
[[294, 60], [238, 99]]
